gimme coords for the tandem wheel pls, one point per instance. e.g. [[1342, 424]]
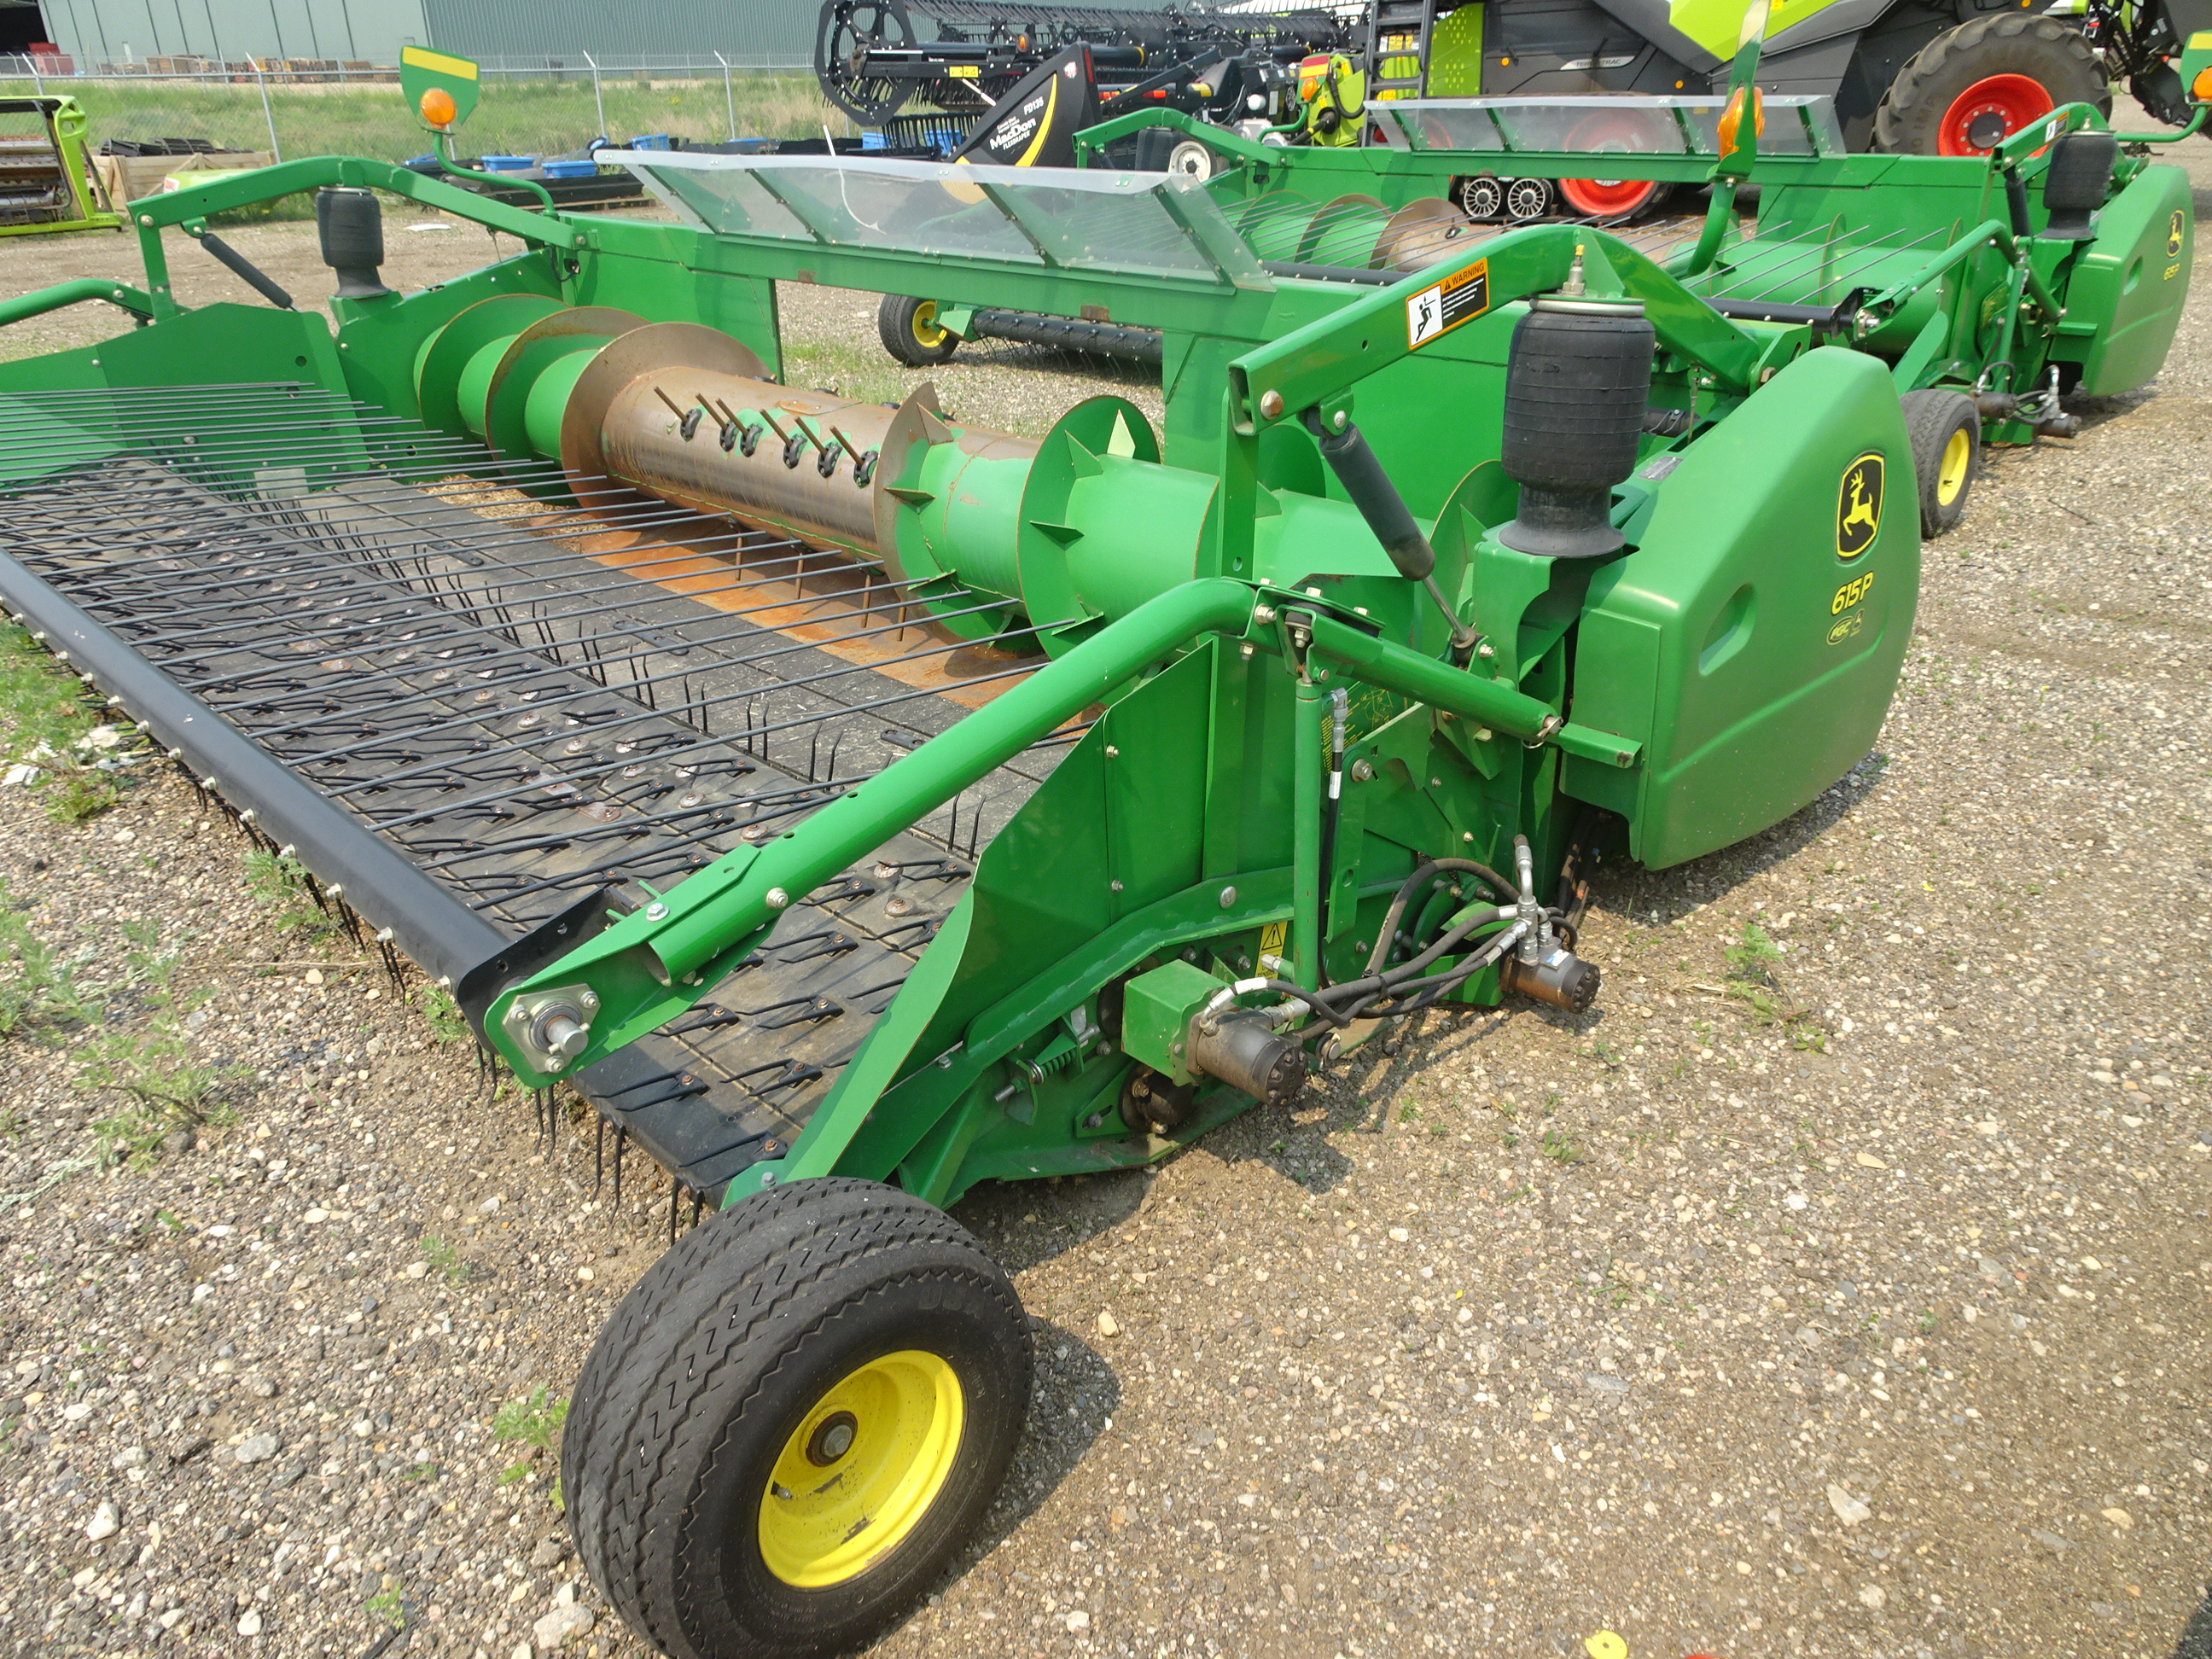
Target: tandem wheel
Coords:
[[910, 331], [1946, 430], [793, 1420]]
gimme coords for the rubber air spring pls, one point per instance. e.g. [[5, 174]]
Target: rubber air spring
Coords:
[[350, 224], [1577, 385], [2076, 182]]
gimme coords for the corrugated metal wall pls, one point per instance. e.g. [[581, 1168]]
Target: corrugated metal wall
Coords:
[[373, 31], [743, 31]]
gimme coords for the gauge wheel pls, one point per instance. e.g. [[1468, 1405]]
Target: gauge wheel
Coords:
[[793, 1420], [1968, 89], [1527, 199], [910, 331], [1946, 430], [1482, 197], [1191, 158]]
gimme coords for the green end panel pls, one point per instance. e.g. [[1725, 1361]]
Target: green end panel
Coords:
[[1753, 640], [2124, 301], [1156, 1016]]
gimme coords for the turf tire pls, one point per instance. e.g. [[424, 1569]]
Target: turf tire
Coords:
[[1911, 110], [1934, 419], [906, 327], [710, 1365]]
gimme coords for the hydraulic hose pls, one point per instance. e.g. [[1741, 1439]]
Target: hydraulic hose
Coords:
[[1412, 885]]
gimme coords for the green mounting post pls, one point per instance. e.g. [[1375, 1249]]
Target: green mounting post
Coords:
[[1739, 140], [441, 89]]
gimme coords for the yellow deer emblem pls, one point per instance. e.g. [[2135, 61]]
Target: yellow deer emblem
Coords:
[[1859, 506]]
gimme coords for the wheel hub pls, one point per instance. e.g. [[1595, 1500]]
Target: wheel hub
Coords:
[[1990, 110], [832, 1438]]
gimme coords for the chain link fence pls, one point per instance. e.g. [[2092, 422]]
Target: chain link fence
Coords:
[[290, 108]]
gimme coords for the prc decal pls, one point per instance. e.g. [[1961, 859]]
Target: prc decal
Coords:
[[1850, 625], [1460, 297], [1858, 505]]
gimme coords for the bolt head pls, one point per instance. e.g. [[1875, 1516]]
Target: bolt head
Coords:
[[517, 1014], [777, 898], [557, 1063], [656, 912], [1271, 404], [590, 999], [1339, 421], [1485, 651], [1228, 897]]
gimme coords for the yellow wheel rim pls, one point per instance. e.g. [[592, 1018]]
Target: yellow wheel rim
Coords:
[[925, 325], [1950, 471], [861, 1469]]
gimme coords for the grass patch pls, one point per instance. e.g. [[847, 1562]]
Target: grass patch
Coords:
[[39, 996], [281, 885], [59, 741], [535, 117], [443, 1259], [447, 1023], [162, 1087]]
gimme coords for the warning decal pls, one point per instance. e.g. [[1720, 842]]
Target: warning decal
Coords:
[[1460, 297]]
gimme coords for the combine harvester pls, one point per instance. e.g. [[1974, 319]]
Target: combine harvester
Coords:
[[851, 805]]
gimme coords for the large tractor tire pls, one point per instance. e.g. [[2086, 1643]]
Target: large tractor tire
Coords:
[[793, 1420], [910, 331], [1946, 430], [1972, 87]]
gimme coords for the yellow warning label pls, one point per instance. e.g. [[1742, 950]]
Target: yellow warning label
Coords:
[[1272, 936]]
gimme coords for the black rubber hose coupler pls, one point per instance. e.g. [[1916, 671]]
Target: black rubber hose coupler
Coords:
[[2076, 182], [350, 225], [1577, 387]]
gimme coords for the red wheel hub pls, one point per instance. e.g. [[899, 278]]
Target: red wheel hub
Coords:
[[2014, 100], [1605, 198]]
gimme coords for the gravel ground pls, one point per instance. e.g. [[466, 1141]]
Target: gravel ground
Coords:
[[1863, 1317]]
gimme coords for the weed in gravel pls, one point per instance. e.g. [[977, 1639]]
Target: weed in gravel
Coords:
[[447, 1023], [38, 996], [443, 1259], [57, 740], [1562, 1147], [390, 1605], [164, 1088], [281, 885], [1748, 958], [534, 1423]]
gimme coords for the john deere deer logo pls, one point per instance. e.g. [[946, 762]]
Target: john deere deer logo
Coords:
[[1859, 506], [2174, 236]]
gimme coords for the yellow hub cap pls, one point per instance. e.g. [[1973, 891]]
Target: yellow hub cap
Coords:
[[924, 324], [861, 1469], [1950, 471]]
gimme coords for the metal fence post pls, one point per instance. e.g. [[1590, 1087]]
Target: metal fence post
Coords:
[[31, 60], [729, 98], [598, 97], [262, 81]]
